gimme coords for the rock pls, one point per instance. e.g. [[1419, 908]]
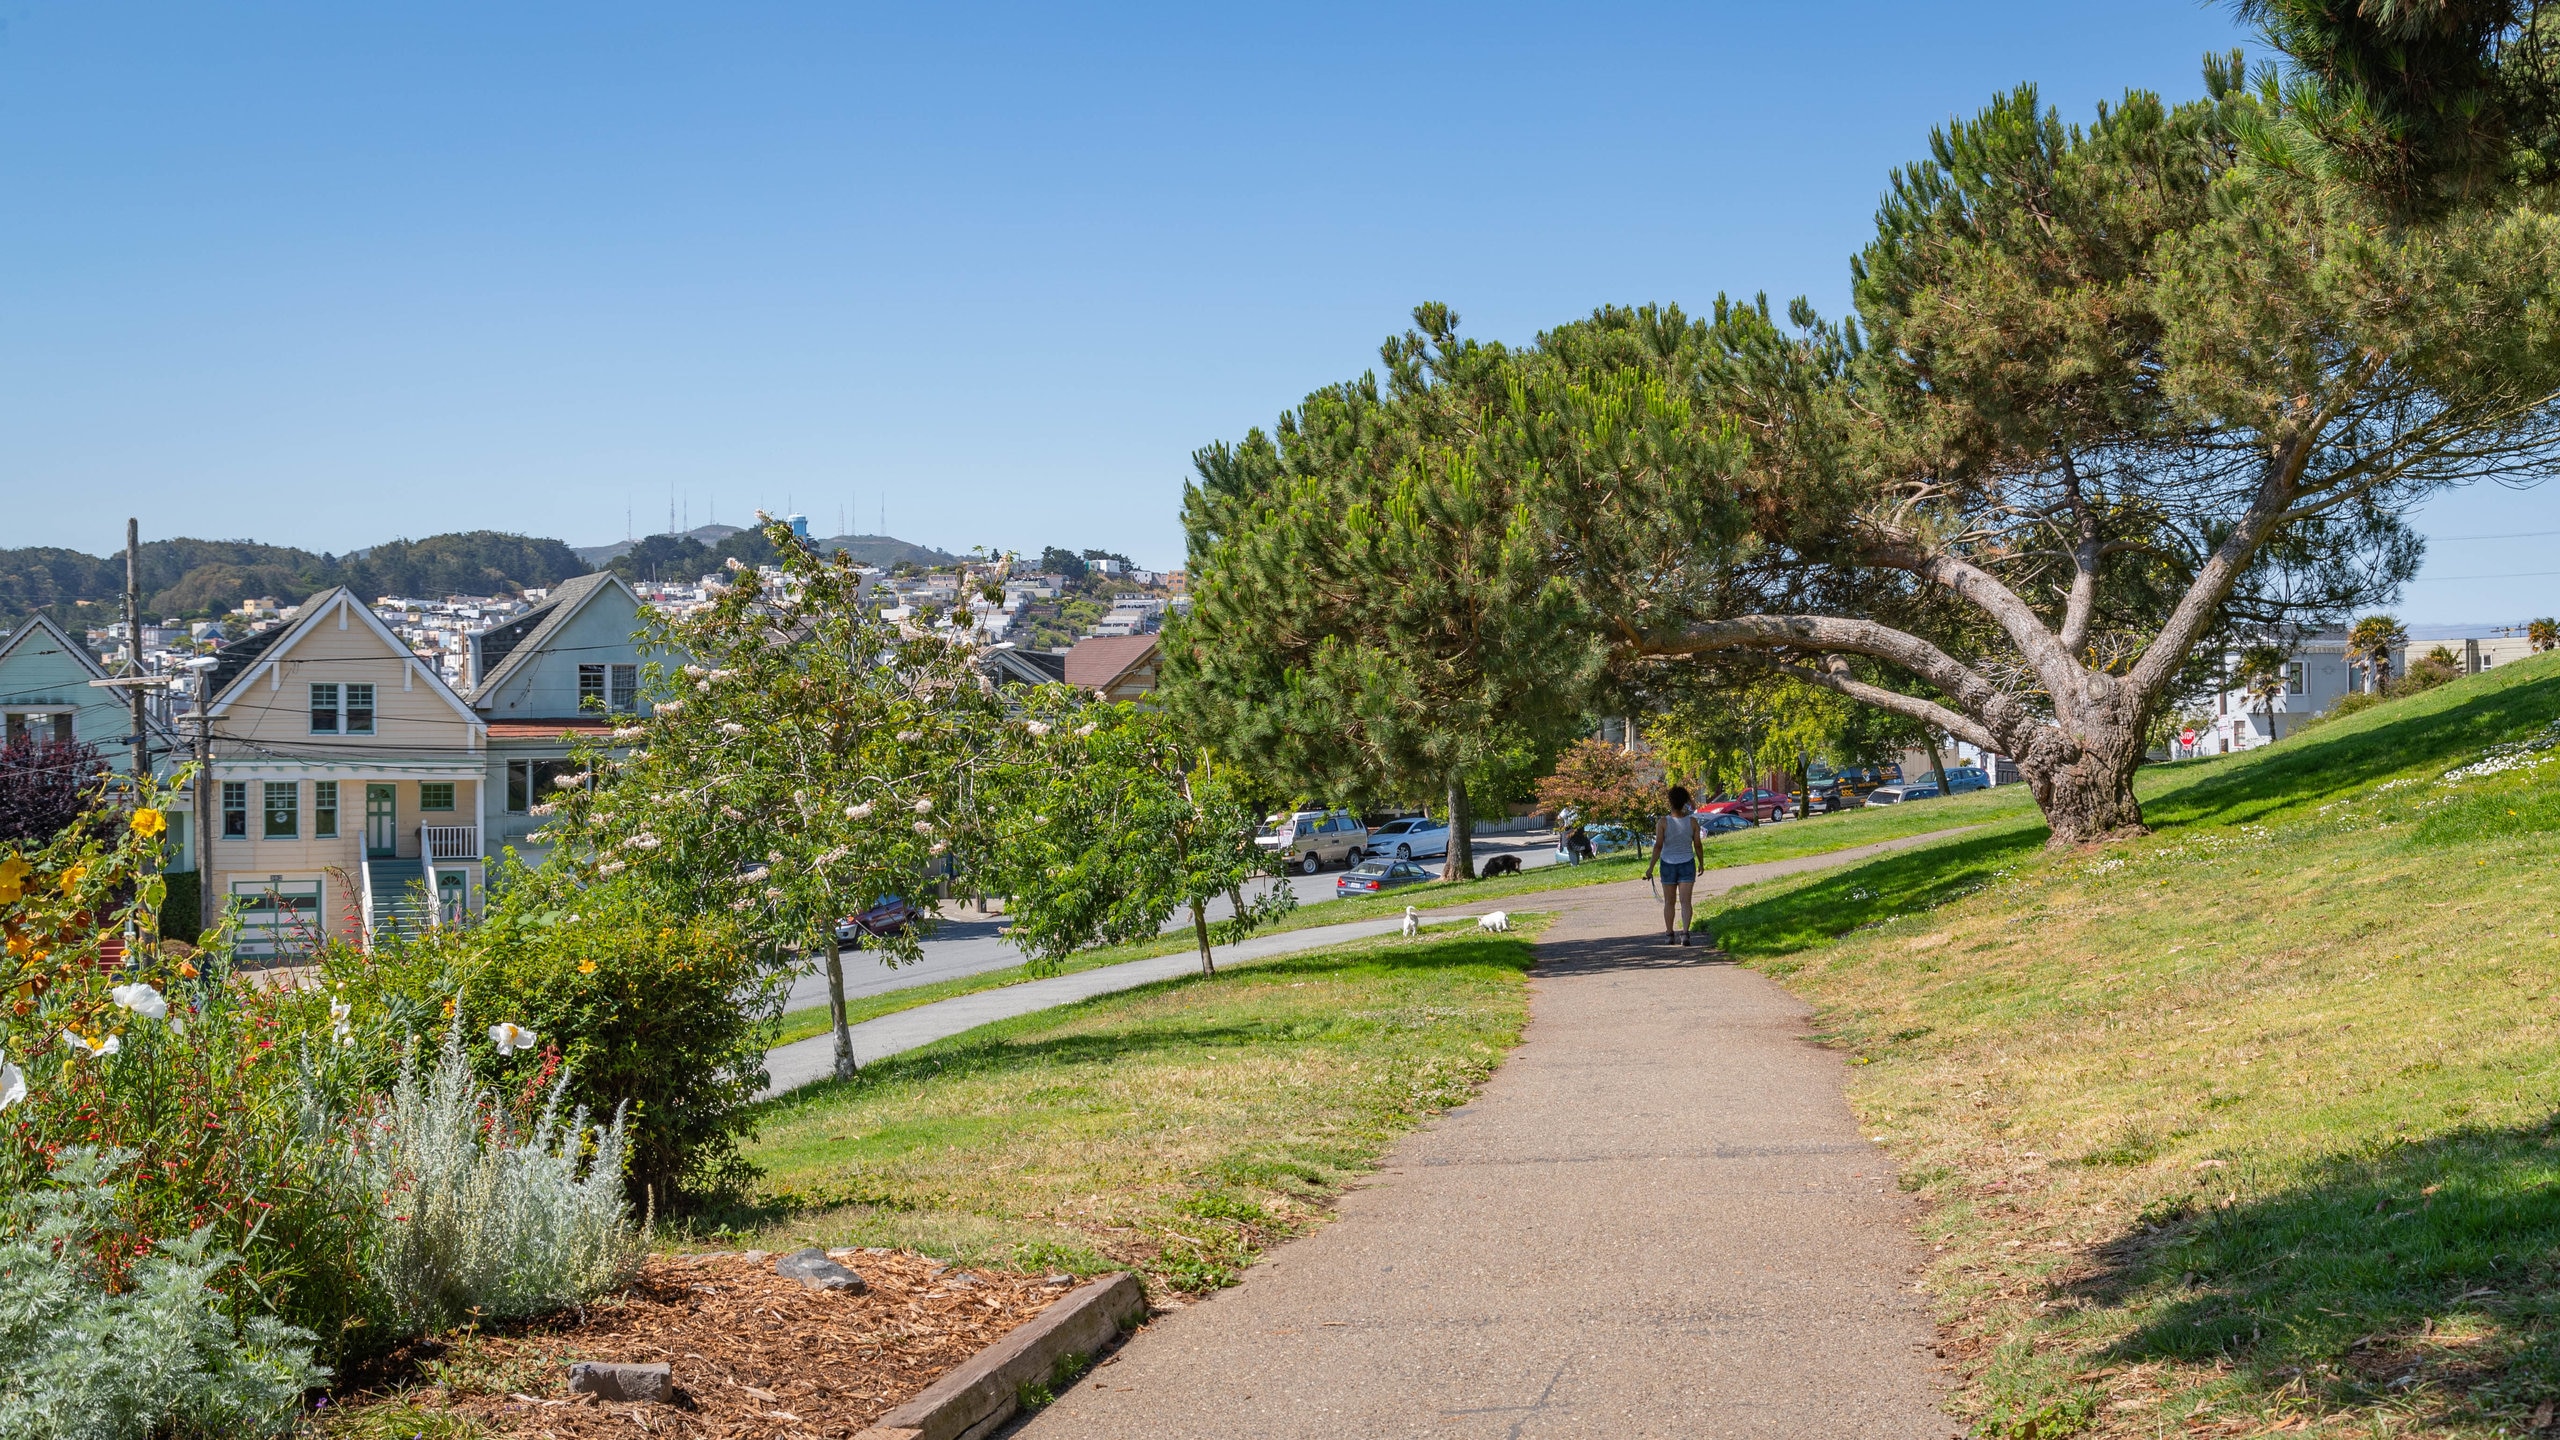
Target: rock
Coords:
[[812, 1268], [755, 1257], [607, 1381], [1061, 1278]]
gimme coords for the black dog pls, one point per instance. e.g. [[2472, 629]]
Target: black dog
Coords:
[[1502, 865]]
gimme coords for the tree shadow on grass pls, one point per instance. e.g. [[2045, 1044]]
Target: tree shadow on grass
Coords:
[[2441, 727], [2417, 1273], [1903, 883]]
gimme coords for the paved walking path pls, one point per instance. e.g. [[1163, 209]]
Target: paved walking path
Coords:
[[1659, 1219]]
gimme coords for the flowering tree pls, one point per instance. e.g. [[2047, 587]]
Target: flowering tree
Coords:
[[1113, 823], [810, 760]]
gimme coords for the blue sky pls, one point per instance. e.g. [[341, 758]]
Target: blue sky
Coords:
[[326, 274]]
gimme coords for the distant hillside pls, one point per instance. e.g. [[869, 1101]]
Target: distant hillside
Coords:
[[704, 535], [694, 553], [886, 550], [206, 577]]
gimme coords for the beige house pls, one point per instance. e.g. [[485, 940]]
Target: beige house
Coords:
[[348, 782], [1116, 667]]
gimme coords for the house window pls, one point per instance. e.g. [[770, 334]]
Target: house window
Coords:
[[591, 695], [626, 687], [2293, 680], [435, 795], [38, 725], [529, 781], [235, 809], [284, 809], [324, 809], [341, 709]]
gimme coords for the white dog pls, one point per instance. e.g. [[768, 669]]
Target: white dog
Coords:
[[1412, 922], [1499, 920]]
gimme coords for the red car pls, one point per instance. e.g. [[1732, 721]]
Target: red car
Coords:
[[886, 918], [1754, 805]]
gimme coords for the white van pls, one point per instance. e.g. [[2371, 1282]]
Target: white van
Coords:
[[1309, 840]]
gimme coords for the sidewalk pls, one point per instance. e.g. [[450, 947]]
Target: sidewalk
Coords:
[[1659, 1219]]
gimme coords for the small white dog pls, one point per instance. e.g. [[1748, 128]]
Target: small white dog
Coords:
[[1412, 922], [1499, 920]]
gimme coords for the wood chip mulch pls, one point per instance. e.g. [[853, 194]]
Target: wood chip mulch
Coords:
[[754, 1354]]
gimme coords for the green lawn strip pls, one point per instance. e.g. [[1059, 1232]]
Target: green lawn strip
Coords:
[[2249, 1123], [1177, 1129], [1785, 840]]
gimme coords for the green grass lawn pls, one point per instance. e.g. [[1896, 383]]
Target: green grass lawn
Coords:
[[1176, 1130], [2009, 806], [2251, 1125]]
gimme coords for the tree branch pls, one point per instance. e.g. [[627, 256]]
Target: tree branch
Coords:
[[1910, 707]]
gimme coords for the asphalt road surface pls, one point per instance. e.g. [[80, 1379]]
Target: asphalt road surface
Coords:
[[967, 943]]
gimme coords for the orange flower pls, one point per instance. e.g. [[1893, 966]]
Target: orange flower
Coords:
[[186, 971]]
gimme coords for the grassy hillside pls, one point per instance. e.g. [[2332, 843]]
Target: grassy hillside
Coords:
[[2250, 1126], [207, 577]]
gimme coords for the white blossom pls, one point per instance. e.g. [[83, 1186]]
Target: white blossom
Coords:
[[733, 812], [568, 782], [941, 845], [339, 1023], [142, 1000], [13, 1083], [858, 812], [642, 841], [629, 732], [1085, 729], [96, 1049], [669, 707], [694, 670], [702, 687], [732, 728], [924, 807], [909, 737], [545, 808], [612, 867], [773, 892], [1036, 727], [924, 827], [735, 564], [510, 1037], [755, 876]]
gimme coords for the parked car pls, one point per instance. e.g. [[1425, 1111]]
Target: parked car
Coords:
[[1751, 805], [1724, 824], [888, 917], [1309, 840], [1844, 789], [1371, 876], [1404, 839], [1961, 778], [1906, 790], [1605, 838]]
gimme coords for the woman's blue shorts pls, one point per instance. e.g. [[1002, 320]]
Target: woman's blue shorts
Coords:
[[1679, 872]]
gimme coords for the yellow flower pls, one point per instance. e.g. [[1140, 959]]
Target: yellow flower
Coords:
[[149, 822], [448, 1009], [13, 876], [71, 878], [586, 967]]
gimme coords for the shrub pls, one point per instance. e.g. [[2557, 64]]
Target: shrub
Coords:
[[481, 1217], [668, 1016], [152, 1354]]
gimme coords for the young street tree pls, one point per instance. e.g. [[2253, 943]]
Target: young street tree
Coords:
[[1110, 824], [1374, 612], [808, 760], [2117, 394]]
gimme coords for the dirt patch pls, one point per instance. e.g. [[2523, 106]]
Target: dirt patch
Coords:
[[754, 1354]]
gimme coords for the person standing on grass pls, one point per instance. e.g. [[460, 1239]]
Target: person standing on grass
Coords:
[[1675, 850]]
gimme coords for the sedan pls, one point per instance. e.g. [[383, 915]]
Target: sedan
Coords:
[[1371, 876], [888, 917], [1752, 804], [1724, 824], [1908, 790], [1405, 839]]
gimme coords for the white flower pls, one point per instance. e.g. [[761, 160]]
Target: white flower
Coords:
[[1036, 727], [924, 827], [773, 892], [909, 737], [741, 903], [732, 727], [735, 564], [733, 812], [94, 1048], [724, 674], [611, 867], [755, 876], [545, 808], [941, 845], [142, 1000], [510, 1037], [858, 812], [702, 687], [339, 1024], [642, 841], [669, 707], [1039, 819], [629, 732], [924, 807], [568, 782], [13, 1083], [1085, 729], [694, 670]]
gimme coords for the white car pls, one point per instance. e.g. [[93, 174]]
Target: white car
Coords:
[[1404, 839]]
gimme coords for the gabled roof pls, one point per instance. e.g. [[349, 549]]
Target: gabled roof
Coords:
[[1012, 665], [512, 646], [1099, 662], [42, 624], [270, 649]]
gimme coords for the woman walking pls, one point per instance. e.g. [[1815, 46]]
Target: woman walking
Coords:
[[1675, 849]]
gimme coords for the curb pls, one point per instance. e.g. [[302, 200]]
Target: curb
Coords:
[[986, 1389]]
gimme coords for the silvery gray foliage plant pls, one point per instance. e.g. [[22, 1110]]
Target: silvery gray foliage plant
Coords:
[[157, 1358], [478, 1217]]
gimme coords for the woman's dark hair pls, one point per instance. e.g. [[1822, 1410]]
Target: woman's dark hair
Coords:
[[1679, 798]]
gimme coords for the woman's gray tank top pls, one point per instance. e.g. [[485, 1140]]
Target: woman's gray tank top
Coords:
[[1676, 849]]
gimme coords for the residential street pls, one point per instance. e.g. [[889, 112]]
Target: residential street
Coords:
[[969, 943]]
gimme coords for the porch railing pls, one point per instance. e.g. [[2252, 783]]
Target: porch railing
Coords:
[[448, 842]]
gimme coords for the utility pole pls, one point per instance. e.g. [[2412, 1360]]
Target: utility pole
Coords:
[[204, 803], [133, 645]]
